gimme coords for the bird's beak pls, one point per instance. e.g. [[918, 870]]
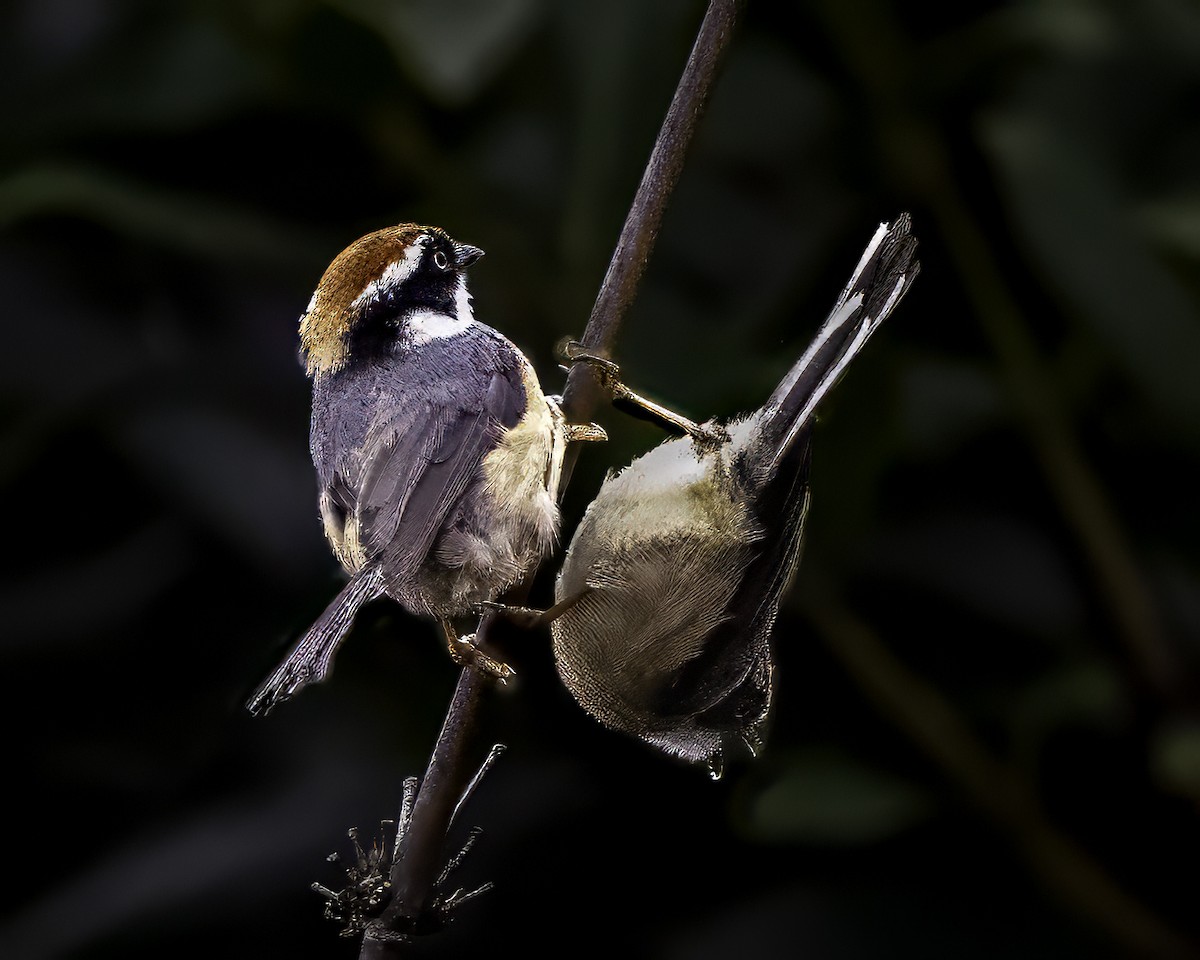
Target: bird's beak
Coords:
[[465, 254]]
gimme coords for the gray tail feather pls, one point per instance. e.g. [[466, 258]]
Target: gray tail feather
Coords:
[[311, 659], [884, 272]]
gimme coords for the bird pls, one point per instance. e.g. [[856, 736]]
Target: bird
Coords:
[[438, 456], [679, 564]]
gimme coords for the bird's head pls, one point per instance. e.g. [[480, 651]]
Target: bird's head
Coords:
[[376, 284]]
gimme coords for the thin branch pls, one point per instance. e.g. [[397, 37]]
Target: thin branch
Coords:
[[640, 231], [446, 779], [1074, 483], [421, 850], [997, 789]]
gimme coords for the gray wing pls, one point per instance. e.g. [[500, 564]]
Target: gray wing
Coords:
[[726, 682], [416, 463]]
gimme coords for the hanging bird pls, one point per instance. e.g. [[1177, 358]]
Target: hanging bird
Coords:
[[679, 564]]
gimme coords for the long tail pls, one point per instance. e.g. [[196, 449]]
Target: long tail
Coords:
[[310, 660], [882, 277]]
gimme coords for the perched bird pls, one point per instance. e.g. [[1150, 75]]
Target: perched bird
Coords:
[[437, 454], [680, 562]]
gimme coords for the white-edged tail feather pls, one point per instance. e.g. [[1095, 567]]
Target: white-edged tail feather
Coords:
[[884, 272]]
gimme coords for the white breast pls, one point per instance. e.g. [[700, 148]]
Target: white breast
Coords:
[[427, 325]]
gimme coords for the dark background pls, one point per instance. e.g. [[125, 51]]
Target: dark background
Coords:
[[1005, 764]]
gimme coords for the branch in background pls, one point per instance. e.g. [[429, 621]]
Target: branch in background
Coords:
[[1075, 485], [874, 45], [923, 162], [998, 790], [446, 778]]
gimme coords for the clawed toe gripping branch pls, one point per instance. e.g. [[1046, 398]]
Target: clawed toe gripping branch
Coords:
[[608, 375]]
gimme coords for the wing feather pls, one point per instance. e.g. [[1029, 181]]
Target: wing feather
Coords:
[[418, 464]]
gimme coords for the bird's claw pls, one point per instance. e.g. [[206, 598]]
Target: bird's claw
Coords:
[[608, 373], [464, 652], [573, 352], [585, 433]]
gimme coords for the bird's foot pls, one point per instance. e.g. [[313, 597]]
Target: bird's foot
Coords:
[[575, 432], [464, 652], [585, 433], [608, 373]]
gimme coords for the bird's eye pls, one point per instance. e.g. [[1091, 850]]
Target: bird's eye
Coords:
[[440, 261]]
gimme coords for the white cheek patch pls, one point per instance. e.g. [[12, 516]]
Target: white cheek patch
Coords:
[[393, 274], [426, 325]]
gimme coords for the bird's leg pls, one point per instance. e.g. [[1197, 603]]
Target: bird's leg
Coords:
[[528, 618], [634, 404], [464, 652]]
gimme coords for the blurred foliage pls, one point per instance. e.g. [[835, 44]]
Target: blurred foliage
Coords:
[[824, 797], [173, 179]]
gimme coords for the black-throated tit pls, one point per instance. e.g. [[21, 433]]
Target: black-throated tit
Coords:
[[680, 562], [438, 456]]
